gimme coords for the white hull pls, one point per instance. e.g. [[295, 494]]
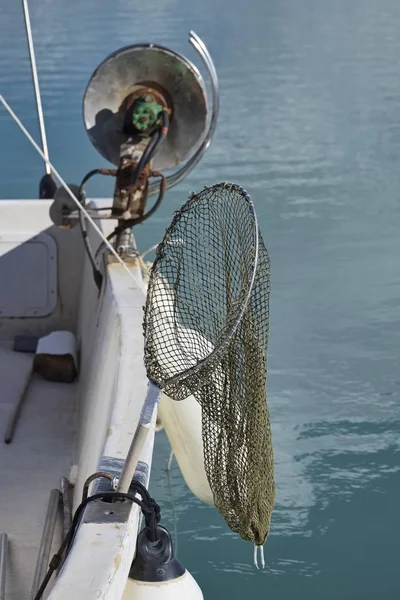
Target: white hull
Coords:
[[67, 429]]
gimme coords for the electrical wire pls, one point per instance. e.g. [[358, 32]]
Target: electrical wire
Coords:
[[97, 275], [131, 222], [148, 506], [153, 146]]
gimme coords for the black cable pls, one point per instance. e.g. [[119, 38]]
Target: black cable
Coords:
[[131, 222], [146, 157], [87, 177], [151, 149], [148, 505], [98, 277], [99, 208], [162, 132], [144, 160], [153, 146], [109, 238]]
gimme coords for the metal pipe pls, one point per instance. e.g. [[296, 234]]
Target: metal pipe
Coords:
[[3, 564], [147, 416], [36, 83], [13, 420], [93, 477], [132, 459], [46, 541], [67, 510]]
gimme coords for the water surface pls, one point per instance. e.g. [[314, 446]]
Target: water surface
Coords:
[[310, 125]]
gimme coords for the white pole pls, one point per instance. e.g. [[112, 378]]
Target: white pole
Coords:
[[3, 564], [36, 83]]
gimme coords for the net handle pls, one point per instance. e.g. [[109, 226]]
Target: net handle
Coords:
[[145, 420], [154, 391]]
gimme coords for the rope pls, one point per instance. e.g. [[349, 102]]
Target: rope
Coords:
[[71, 194], [255, 557]]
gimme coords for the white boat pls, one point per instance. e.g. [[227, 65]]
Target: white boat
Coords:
[[72, 376], [78, 411]]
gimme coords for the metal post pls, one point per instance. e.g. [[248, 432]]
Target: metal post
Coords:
[[46, 541], [145, 422], [67, 511], [3, 564], [36, 83], [13, 420]]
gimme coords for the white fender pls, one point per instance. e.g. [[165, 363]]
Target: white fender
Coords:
[[182, 424], [182, 420], [183, 588]]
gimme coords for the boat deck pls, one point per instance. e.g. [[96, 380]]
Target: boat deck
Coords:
[[39, 455]]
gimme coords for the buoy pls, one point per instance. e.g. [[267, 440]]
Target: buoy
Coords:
[[182, 420], [182, 424], [156, 574]]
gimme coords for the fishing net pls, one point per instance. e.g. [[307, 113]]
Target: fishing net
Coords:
[[206, 334]]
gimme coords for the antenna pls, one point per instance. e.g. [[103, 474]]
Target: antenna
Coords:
[[47, 185]]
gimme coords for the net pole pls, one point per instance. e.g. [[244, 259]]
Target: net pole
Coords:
[[145, 422]]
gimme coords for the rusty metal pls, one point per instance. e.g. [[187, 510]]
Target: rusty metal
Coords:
[[93, 477], [151, 93], [130, 198], [156, 92], [163, 183], [112, 172]]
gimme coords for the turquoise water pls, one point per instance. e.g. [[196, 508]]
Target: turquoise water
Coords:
[[310, 125]]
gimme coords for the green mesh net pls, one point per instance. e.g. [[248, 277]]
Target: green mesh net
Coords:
[[206, 334]]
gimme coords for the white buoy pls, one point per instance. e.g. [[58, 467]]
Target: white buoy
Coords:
[[182, 420], [182, 424], [156, 574], [183, 588]]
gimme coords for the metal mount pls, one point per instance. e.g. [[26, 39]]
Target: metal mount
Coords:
[[145, 109], [125, 74]]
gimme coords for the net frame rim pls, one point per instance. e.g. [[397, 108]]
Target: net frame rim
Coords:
[[218, 350]]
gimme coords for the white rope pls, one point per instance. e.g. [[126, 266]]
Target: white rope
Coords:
[[35, 82], [255, 556], [262, 557], [71, 194], [148, 250], [169, 464]]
